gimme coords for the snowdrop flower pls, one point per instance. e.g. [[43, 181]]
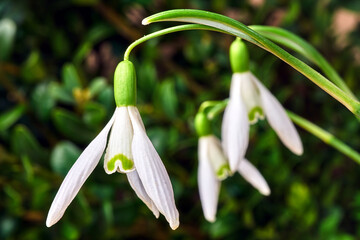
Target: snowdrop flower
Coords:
[[214, 167], [129, 151], [249, 101]]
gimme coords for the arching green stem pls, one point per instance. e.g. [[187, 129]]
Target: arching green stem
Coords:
[[236, 28], [325, 136], [207, 104], [167, 31], [299, 45], [213, 108]]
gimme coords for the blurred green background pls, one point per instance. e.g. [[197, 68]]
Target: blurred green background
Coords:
[[57, 60]]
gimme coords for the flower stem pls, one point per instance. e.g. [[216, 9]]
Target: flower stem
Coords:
[[238, 29], [213, 108], [167, 31], [325, 136]]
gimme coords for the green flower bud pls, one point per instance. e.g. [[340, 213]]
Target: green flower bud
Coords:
[[202, 124], [239, 56], [125, 84]]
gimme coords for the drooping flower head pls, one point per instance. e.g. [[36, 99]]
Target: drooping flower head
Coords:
[[214, 167], [129, 151], [250, 101]]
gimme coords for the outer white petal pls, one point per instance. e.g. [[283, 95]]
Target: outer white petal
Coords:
[[78, 174], [235, 125], [152, 171], [254, 177], [138, 187], [279, 120], [118, 156], [209, 185]]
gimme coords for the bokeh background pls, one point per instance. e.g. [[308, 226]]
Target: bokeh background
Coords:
[[57, 60]]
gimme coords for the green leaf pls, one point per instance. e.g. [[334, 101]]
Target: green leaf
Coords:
[[69, 231], [325, 136], [60, 44], [58, 92], [24, 144], [94, 114], [70, 77], [106, 98], [166, 98], [28, 168], [71, 126], [63, 157], [11, 116], [299, 45], [299, 196], [147, 78], [33, 69], [43, 101], [159, 138], [95, 35], [97, 85], [7, 35], [330, 224]]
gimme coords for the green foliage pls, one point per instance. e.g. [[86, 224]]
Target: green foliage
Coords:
[[7, 34], [9, 117], [57, 61]]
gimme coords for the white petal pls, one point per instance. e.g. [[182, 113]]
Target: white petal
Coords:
[[78, 174], [279, 120], [216, 157], [235, 126], [152, 171], [209, 185], [138, 187], [254, 177], [118, 156]]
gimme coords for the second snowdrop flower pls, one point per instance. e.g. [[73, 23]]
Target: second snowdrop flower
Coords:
[[214, 167], [129, 151], [249, 101]]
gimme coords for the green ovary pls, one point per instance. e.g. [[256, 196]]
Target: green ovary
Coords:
[[223, 172], [255, 114], [126, 163]]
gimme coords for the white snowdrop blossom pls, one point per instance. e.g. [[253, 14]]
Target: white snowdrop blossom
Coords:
[[249, 101], [213, 167], [129, 151]]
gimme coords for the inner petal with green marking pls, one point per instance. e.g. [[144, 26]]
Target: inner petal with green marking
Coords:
[[123, 163], [223, 172], [255, 114]]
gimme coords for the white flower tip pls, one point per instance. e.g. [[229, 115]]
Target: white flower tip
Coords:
[[174, 224], [48, 223], [211, 219], [298, 150], [153, 208], [52, 219], [265, 191], [156, 213], [145, 21]]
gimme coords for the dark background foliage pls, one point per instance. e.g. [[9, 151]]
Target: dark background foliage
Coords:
[[56, 95]]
